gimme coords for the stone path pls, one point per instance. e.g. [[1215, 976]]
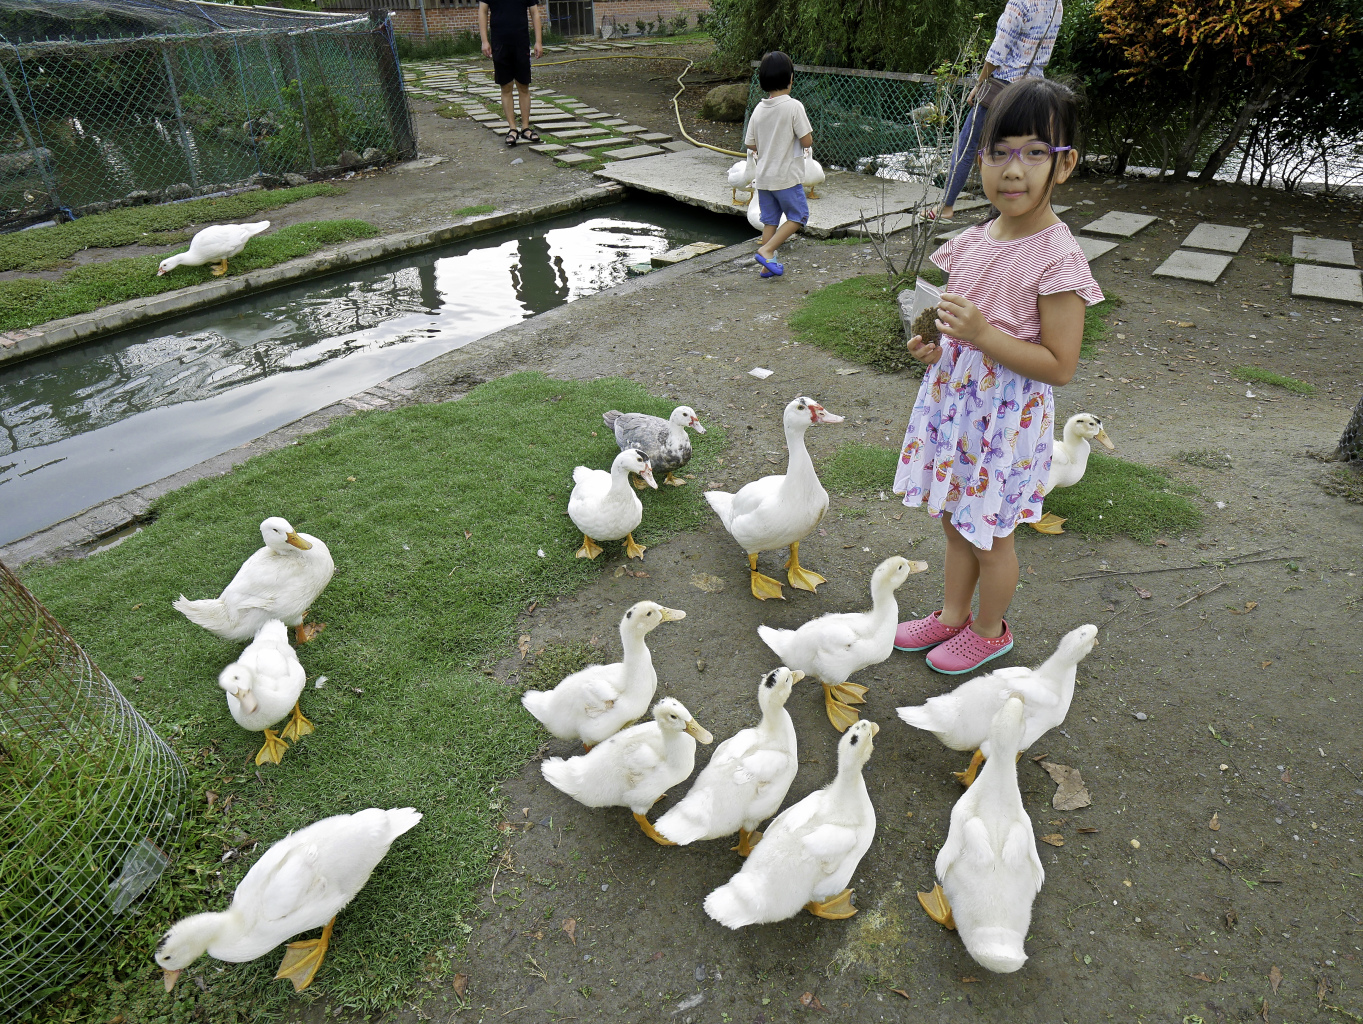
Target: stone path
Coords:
[[1333, 283]]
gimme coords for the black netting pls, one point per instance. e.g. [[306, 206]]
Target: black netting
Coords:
[[1351, 441]]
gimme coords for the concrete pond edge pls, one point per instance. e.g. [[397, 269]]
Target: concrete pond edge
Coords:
[[103, 524], [55, 335]]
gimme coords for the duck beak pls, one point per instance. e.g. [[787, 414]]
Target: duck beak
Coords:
[[796, 675], [673, 614], [695, 729], [297, 541], [695, 425], [822, 415], [917, 567], [1105, 441], [647, 474], [875, 729], [169, 978]]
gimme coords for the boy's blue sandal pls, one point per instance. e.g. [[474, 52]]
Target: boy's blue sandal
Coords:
[[773, 269]]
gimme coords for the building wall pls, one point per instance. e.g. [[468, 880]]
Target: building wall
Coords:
[[450, 21]]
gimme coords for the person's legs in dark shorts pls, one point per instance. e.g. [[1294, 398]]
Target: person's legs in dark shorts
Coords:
[[513, 65]]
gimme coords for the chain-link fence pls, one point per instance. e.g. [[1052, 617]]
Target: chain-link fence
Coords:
[[90, 802], [174, 99]]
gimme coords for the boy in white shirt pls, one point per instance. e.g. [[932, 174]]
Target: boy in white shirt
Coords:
[[778, 135]]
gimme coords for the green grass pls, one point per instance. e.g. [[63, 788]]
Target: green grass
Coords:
[[1118, 497], [1257, 376], [1284, 259], [1206, 458], [1344, 481], [466, 44], [26, 302], [858, 319], [451, 110], [1096, 325], [857, 467], [407, 716], [44, 248], [474, 211]]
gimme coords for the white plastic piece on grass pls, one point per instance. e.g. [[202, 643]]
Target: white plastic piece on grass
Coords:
[[760, 372]]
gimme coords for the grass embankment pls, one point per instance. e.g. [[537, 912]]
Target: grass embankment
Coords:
[[1255, 375], [1096, 325], [26, 302], [435, 515], [45, 248], [1114, 498]]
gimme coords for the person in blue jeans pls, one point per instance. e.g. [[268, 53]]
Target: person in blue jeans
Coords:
[[1022, 46], [778, 135]]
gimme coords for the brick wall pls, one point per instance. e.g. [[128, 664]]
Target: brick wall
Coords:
[[451, 21]]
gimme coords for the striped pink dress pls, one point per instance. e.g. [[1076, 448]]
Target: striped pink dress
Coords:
[[979, 438]]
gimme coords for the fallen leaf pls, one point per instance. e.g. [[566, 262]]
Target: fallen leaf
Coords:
[[1323, 987], [1251, 605], [137, 679], [1202, 976], [619, 571], [1286, 776], [467, 535], [710, 584], [1055, 839], [967, 980], [901, 992], [1263, 1011], [1265, 664], [1072, 794], [1143, 594], [1186, 323], [847, 373], [1232, 919], [810, 1000], [656, 957], [570, 926], [461, 985], [1087, 829], [1109, 607], [1222, 861], [137, 606], [211, 797], [1161, 543], [308, 630], [1056, 821], [1215, 823], [1041, 757], [351, 479], [523, 645], [1275, 978]]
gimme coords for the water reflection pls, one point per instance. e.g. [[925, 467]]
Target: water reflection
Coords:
[[88, 423]]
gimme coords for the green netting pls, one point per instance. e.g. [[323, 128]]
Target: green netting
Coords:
[[177, 113], [858, 116]]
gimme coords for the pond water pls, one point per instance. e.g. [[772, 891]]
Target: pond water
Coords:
[[88, 423]]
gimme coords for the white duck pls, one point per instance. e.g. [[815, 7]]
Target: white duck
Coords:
[[988, 871], [833, 647], [664, 442], [1069, 459], [215, 244], [280, 581], [603, 507], [780, 511], [755, 215], [302, 882], [741, 175], [961, 719], [262, 685], [633, 768], [600, 700], [747, 777], [813, 175], [810, 852]]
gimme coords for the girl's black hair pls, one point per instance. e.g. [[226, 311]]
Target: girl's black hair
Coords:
[[775, 72], [1036, 106]]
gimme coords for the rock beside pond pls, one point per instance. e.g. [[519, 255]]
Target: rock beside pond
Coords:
[[725, 103]]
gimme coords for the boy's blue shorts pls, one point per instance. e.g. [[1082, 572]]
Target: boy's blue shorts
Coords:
[[790, 201]]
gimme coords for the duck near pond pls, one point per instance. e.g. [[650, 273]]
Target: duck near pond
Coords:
[[962, 718], [810, 852], [1069, 459], [262, 685], [748, 775], [280, 581], [600, 700], [814, 174], [664, 442], [603, 507], [634, 768], [988, 871], [781, 510], [741, 175], [300, 883], [834, 646], [215, 244]]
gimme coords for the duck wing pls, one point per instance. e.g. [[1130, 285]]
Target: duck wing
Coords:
[[828, 845]]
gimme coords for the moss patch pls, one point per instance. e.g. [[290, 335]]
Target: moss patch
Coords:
[[26, 302], [1096, 325], [1346, 482], [858, 467], [858, 319], [1119, 497], [474, 211], [1255, 375]]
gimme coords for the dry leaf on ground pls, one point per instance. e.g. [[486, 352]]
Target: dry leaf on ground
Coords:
[[1072, 794], [1275, 978], [710, 584], [1087, 829], [901, 992], [810, 1000], [1263, 1011], [523, 645], [1055, 839], [308, 630], [1141, 592], [570, 926], [1215, 823], [461, 984], [967, 980], [1202, 976]]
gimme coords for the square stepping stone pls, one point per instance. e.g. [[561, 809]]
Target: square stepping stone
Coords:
[[555, 125], [576, 48], [580, 133], [684, 252], [555, 49], [539, 91], [585, 110], [1193, 266], [677, 147], [1119, 225], [623, 46], [597, 46], [1338, 251], [630, 129], [1095, 247], [1217, 237], [605, 140], [547, 147], [486, 117], [613, 122], [574, 158], [652, 137], [1057, 210], [947, 236], [1332, 283], [632, 152]]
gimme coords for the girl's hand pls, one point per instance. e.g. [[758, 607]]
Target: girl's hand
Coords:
[[927, 354], [960, 318]]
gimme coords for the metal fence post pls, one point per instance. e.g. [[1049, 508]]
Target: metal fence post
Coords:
[[43, 169], [401, 128], [425, 29], [180, 119], [303, 102]]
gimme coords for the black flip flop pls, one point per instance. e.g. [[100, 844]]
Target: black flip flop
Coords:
[[530, 135], [511, 138]]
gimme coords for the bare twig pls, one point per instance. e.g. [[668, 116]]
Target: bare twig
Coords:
[[1108, 573], [1202, 594]]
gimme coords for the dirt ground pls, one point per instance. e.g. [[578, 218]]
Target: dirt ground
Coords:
[[1241, 671]]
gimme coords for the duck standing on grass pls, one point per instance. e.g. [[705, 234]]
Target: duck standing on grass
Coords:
[[988, 871], [603, 507], [1069, 460], [302, 882], [780, 511], [215, 244], [262, 685], [662, 441], [280, 581], [834, 646], [634, 768], [810, 852], [748, 775]]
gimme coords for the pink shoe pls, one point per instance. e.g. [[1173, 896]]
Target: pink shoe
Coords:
[[967, 651], [922, 634]]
